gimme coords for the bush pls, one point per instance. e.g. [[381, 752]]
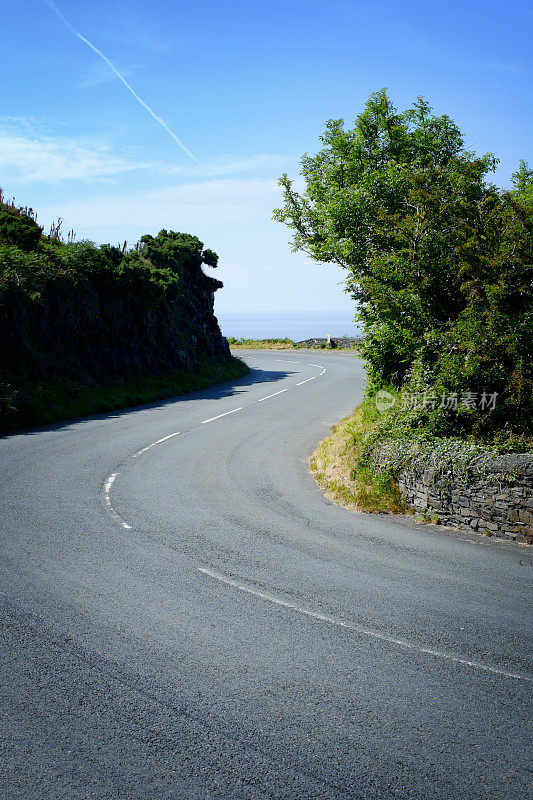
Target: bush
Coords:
[[439, 261], [18, 228], [82, 316]]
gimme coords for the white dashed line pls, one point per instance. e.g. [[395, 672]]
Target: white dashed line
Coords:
[[360, 629], [222, 415], [107, 488], [164, 439], [271, 395], [109, 482]]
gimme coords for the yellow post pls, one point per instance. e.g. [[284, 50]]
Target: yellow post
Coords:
[[329, 339]]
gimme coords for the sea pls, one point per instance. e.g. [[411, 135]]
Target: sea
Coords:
[[296, 326]]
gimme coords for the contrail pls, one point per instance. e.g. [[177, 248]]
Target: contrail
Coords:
[[98, 52]]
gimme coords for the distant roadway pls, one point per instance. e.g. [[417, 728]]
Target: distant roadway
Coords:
[[185, 616]]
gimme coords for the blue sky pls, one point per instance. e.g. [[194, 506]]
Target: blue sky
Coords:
[[247, 87]]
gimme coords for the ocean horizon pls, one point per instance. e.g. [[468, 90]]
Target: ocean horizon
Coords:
[[296, 326]]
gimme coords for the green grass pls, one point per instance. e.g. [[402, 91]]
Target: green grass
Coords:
[[34, 405], [357, 463], [281, 344], [262, 344], [339, 467]]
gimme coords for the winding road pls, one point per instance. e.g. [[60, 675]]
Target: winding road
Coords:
[[184, 615]]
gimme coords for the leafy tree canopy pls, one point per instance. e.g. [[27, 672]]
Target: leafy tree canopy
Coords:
[[180, 252], [18, 228], [438, 260]]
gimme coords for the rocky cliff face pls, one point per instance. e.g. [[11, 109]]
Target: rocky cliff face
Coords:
[[97, 315], [93, 335]]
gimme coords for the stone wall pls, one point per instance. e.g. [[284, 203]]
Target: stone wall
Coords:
[[492, 494]]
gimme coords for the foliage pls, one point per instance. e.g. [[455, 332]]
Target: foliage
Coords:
[[63, 399], [180, 254], [345, 343], [84, 316], [340, 468], [523, 181], [18, 229], [439, 261], [262, 344], [359, 463]]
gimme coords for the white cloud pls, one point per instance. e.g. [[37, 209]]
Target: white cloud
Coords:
[[30, 154], [231, 215], [25, 160], [189, 204], [230, 164]]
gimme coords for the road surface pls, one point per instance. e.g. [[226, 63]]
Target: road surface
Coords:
[[184, 615]]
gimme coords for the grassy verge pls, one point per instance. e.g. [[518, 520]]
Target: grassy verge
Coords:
[[61, 400], [357, 463], [339, 467], [283, 344], [262, 344]]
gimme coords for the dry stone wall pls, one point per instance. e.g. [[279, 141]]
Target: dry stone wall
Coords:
[[492, 495]]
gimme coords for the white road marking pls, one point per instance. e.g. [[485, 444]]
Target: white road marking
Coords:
[[164, 439], [109, 482], [107, 489], [218, 576], [271, 395], [222, 415]]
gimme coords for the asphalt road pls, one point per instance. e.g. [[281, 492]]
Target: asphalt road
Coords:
[[184, 615]]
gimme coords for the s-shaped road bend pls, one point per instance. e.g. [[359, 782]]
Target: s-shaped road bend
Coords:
[[184, 615]]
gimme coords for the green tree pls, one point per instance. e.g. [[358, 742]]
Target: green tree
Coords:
[[18, 229], [523, 181], [489, 347], [391, 201], [180, 252], [438, 260]]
